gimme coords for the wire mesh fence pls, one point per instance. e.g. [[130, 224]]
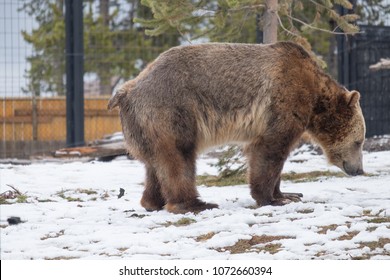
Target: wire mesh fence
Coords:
[[33, 67], [33, 61], [357, 55], [370, 46]]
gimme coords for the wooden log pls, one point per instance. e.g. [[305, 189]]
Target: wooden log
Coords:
[[100, 151]]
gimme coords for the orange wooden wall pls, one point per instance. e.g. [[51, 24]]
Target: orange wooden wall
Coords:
[[16, 115]]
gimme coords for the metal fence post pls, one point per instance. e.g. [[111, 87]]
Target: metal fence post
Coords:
[[74, 73]]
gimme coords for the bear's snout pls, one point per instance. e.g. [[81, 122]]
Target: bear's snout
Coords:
[[352, 170]]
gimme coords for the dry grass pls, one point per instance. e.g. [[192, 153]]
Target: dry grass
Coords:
[[245, 245], [312, 176], [56, 235], [86, 191], [348, 236], [180, 223], [45, 200], [379, 220], [205, 237], [62, 195], [122, 249], [321, 254], [324, 229], [241, 178], [306, 211], [218, 181], [139, 216], [4, 200], [61, 258], [375, 244]]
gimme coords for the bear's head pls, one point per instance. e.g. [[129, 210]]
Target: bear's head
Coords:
[[340, 130]]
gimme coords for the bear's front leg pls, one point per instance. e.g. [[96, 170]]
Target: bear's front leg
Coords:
[[287, 196], [265, 167]]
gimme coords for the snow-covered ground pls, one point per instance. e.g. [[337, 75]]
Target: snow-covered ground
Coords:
[[72, 211]]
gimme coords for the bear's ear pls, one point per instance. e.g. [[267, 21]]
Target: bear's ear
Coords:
[[353, 98]]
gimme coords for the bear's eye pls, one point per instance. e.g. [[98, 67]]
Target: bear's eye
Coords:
[[358, 143]]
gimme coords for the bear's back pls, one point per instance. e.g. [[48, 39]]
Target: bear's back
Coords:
[[218, 74]]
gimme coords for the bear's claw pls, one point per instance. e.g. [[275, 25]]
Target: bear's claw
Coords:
[[195, 207], [286, 199], [151, 205], [292, 194]]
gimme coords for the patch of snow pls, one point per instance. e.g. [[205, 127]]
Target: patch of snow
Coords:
[[73, 211]]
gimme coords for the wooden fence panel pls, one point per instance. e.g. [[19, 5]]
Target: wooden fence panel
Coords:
[[17, 128]]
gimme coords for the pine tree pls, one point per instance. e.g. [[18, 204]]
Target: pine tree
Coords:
[[114, 47], [48, 41], [213, 18], [308, 22]]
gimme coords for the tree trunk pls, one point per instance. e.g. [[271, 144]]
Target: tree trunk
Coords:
[[104, 11], [270, 29]]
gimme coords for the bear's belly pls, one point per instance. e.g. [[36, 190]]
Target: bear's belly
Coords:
[[240, 128]]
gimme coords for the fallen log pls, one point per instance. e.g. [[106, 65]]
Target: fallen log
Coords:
[[95, 151]]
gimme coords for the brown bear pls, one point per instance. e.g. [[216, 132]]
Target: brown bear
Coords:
[[263, 96]]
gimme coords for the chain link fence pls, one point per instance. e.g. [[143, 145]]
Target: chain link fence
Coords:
[[32, 69], [33, 81]]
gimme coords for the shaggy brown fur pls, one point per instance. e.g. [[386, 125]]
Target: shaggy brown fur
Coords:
[[263, 96]]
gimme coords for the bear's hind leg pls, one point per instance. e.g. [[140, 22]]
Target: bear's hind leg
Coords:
[[152, 198], [176, 172]]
